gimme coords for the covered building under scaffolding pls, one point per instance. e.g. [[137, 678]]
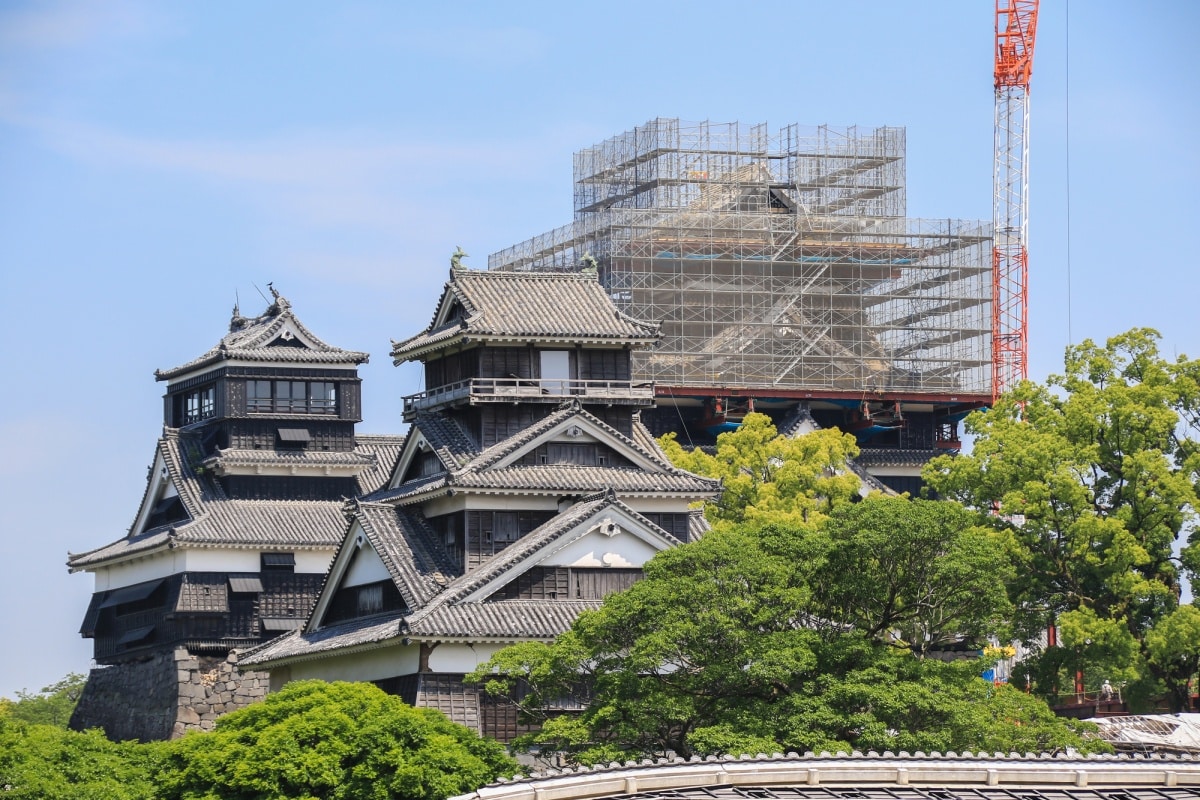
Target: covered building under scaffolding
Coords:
[[785, 273]]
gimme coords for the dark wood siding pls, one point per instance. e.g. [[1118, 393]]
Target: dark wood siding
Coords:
[[505, 362], [604, 365], [596, 584], [288, 487], [218, 621], [674, 524], [568, 583], [451, 368], [584, 454], [489, 532], [498, 422]]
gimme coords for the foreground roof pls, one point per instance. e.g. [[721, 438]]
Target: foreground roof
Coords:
[[525, 306], [871, 775], [275, 335], [215, 520]]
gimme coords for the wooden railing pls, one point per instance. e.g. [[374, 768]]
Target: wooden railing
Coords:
[[499, 390]]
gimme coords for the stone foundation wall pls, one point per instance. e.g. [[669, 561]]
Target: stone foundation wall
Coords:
[[166, 695]]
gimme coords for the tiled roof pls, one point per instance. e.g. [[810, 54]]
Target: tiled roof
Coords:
[[887, 776], [501, 619], [442, 612], [355, 633], [530, 306], [479, 473], [250, 339], [447, 436], [218, 521], [573, 479], [419, 564], [287, 458], [896, 457], [530, 543], [386, 450]]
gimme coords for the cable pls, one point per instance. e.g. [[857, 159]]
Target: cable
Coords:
[[1067, 114]]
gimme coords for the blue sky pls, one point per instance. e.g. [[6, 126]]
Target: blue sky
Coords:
[[159, 160]]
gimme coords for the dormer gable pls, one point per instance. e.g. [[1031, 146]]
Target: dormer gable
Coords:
[[388, 563], [597, 533], [572, 426], [162, 503], [435, 443]]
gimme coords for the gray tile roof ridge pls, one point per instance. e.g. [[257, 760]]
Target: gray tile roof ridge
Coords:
[[494, 318], [408, 489], [248, 335], [362, 631], [291, 457]]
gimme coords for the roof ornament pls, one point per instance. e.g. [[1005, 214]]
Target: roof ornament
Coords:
[[281, 303], [456, 260], [590, 265]]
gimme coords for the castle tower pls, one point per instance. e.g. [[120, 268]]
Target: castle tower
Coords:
[[241, 515]]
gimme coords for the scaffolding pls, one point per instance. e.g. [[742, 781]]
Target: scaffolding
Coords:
[[777, 261]]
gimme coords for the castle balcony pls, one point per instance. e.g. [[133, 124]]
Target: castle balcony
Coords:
[[473, 391]]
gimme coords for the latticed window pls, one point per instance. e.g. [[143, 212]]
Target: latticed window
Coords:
[[291, 397], [199, 404]]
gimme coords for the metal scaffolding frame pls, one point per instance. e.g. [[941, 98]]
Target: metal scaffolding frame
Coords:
[[777, 261]]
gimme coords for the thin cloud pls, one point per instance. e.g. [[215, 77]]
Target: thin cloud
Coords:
[[61, 25]]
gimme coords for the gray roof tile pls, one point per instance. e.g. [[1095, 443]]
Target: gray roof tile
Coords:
[[527, 306], [249, 339], [218, 521]]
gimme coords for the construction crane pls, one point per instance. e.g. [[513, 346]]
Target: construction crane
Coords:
[[1016, 24]]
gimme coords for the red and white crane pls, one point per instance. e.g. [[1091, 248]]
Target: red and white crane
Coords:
[[1016, 24]]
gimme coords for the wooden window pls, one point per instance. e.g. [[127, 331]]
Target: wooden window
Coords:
[[370, 599], [605, 365], [278, 562], [578, 454], [596, 584], [291, 397], [199, 404]]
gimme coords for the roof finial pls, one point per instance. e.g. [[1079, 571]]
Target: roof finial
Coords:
[[456, 259]]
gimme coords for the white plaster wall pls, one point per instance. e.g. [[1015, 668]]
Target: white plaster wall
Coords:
[[143, 569], [367, 567], [221, 560], [911, 472], [457, 657], [313, 560], [373, 665], [599, 550], [171, 562]]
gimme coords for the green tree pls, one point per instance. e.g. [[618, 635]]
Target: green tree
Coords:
[[331, 741], [47, 762], [768, 478], [724, 648], [923, 572], [52, 705], [1096, 477]]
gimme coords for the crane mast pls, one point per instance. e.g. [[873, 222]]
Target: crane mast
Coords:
[[1016, 24]]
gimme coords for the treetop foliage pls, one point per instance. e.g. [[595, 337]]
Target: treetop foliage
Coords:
[[1095, 475], [773, 638], [52, 705], [767, 478], [331, 740]]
